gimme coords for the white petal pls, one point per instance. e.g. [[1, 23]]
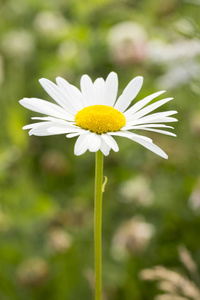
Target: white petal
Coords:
[[161, 120], [130, 135], [87, 90], [128, 127], [30, 126], [105, 149], [152, 147], [51, 128], [158, 130], [52, 89], [47, 108], [150, 108], [71, 135], [73, 96], [155, 118], [95, 143], [99, 89], [54, 120], [140, 104], [129, 93], [61, 129], [146, 143], [57, 94], [39, 129], [163, 114], [82, 144], [111, 89], [110, 141]]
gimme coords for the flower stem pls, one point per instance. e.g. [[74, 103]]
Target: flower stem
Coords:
[[98, 222]]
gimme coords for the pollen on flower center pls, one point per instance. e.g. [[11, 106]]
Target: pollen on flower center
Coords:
[[100, 119]]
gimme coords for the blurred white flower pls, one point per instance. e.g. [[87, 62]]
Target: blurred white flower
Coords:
[[132, 236], [182, 49], [178, 74], [136, 190], [59, 241], [50, 23], [32, 272], [18, 44], [178, 58], [127, 42]]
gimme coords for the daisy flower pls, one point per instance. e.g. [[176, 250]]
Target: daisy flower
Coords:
[[95, 115]]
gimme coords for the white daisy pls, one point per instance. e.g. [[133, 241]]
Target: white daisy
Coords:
[[95, 116]]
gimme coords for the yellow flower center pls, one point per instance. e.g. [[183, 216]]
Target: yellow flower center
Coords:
[[100, 119]]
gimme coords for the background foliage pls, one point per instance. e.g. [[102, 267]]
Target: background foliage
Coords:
[[151, 206]]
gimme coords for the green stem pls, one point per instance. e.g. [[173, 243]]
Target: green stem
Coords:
[[98, 222]]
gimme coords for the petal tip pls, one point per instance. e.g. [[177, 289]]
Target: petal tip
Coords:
[[22, 101], [140, 78], [60, 79], [112, 73], [41, 80], [84, 76]]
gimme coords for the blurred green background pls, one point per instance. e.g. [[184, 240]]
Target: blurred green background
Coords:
[[151, 205]]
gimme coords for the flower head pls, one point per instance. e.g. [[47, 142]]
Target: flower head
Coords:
[[95, 116]]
